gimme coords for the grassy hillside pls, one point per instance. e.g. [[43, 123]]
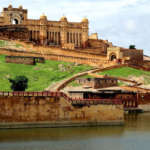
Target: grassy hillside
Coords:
[[126, 72], [40, 76], [130, 73]]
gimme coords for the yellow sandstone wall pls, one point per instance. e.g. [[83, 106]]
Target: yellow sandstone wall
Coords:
[[74, 59], [55, 112]]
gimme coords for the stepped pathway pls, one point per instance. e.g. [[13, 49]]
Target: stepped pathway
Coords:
[[62, 84]]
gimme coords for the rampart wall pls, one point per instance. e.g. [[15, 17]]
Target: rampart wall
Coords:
[[88, 53], [79, 60], [24, 60], [33, 109], [20, 60], [136, 56], [98, 44]]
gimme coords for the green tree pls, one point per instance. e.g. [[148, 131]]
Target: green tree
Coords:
[[132, 47], [19, 83]]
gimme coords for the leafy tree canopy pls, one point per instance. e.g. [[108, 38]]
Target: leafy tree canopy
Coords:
[[19, 83], [132, 47]]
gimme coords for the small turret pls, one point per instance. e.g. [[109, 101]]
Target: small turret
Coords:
[[10, 6], [85, 20], [20, 7], [43, 17], [64, 19]]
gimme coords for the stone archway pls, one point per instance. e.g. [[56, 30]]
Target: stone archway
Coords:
[[112, 57], [15, 21]]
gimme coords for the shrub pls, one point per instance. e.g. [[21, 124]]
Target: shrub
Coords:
[[20, 83], [132, 47]]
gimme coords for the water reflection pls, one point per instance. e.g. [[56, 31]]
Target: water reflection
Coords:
[[59, 133], [134, 135]]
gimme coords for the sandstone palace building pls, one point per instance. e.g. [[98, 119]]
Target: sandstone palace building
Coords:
[[43, 31], [15, 25]]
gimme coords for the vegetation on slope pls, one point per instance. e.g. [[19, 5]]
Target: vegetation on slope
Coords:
[[4, 43], [40, 76], [130, 73], [125, 72]]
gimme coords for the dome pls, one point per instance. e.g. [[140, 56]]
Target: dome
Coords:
[[43, 17], [10, 6], [20, 7], [85, 20], [64, 18]]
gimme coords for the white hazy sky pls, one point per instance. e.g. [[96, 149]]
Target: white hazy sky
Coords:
[[123, 22]]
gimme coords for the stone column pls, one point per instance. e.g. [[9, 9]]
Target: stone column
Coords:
[[63, 32], [33, 35], [36, 35], [75, 38], [69, 38], [79, 39], [76, 43], [43, 30], [84, 34], [72, 37], [50, 36], [55, 37]]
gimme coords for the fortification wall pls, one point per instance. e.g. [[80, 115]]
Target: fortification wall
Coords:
[[51, 111], [85, 53], [79, 60], [136, 56], [20, 60], [98, 44], [14, 32], [24, 60]]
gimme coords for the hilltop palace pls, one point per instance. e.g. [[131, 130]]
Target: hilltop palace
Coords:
[[15, 25]]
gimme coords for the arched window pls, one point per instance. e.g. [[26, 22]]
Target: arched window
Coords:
[[15, 21]]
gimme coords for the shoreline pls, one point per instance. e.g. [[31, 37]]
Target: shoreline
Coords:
[[20, 125]]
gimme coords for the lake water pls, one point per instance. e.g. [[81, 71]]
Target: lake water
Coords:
[[135, 135]]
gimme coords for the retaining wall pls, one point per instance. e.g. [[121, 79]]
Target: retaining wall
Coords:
[[79, 60], [18, 111]]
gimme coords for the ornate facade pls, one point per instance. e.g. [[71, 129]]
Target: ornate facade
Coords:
[[14, 23]]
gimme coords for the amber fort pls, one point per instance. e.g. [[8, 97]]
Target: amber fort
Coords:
[[97, 101], [65, 35], [43, 31]]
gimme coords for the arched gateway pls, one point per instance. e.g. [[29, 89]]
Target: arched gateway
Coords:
[[112, 57]]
